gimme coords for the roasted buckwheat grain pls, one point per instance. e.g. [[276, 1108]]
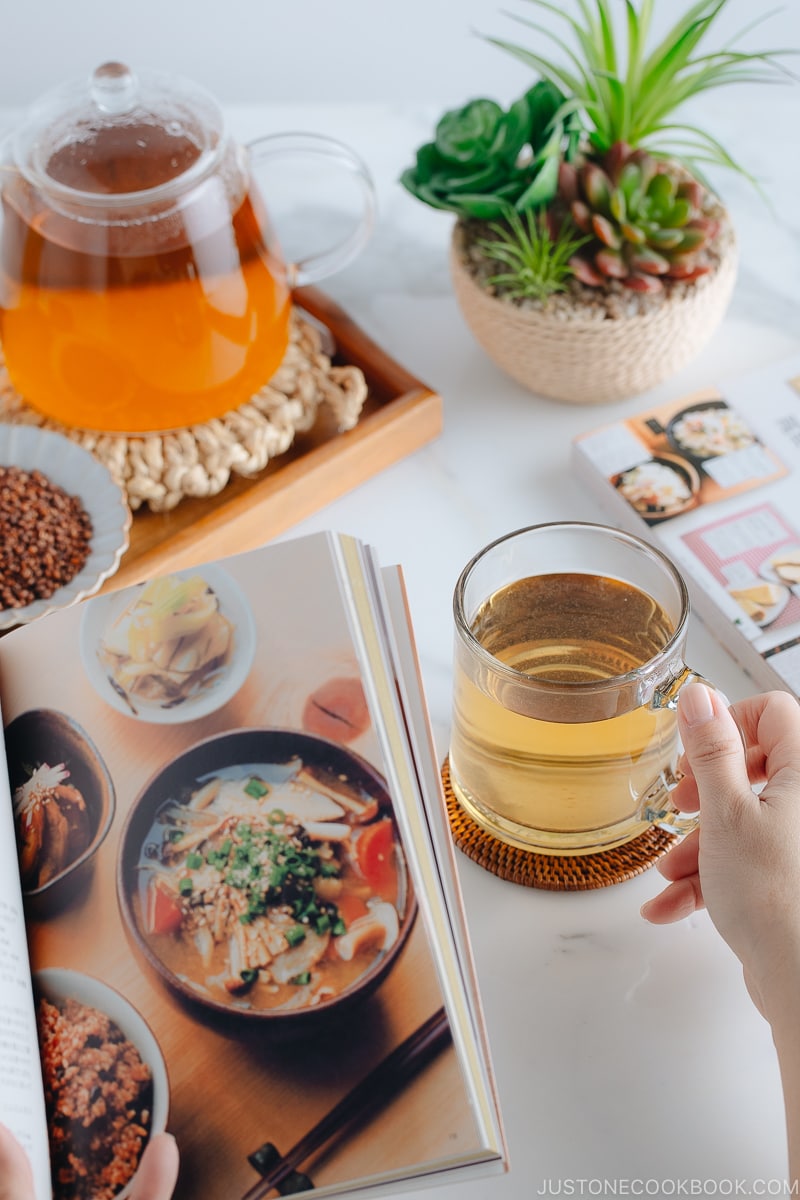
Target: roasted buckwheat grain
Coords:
[[44, 537]]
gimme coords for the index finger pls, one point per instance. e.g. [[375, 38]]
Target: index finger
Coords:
[[770, 724]]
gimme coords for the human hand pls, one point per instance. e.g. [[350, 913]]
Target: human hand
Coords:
[[743, 862], [155, 1179]]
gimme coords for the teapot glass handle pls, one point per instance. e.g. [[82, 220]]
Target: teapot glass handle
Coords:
[[302, 146]]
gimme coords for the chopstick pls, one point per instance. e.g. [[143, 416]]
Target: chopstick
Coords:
[[374, 1090]]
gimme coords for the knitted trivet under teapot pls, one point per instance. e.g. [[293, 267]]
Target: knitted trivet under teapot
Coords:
[[159, 470], [556, 872]]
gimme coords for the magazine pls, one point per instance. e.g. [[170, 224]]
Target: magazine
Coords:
[[713, 480], [227, 845]]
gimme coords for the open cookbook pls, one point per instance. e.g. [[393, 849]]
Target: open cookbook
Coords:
[[228, 897], [713, 480]]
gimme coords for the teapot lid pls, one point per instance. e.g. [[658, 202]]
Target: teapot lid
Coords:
[[122, 135]]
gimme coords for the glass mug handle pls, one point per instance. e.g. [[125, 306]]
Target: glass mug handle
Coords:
[[657, 809], [300, 146]]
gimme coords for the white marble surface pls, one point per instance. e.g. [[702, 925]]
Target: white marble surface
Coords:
[[622, 1051]]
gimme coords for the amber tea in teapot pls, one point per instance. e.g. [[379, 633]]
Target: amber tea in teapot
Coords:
[[141, 285], [176, 334]]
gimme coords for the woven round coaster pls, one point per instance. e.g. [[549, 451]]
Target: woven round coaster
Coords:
[[556, 872], [159, 470]]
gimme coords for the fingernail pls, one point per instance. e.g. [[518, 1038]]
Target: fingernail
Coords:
[[695, 704]]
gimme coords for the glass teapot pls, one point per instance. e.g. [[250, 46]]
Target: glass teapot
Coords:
[[142, 287]]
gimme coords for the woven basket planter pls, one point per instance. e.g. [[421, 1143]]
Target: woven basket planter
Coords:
[[585, 360]]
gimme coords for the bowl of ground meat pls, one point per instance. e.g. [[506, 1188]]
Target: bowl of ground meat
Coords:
[[64, 523], [105, 1082]]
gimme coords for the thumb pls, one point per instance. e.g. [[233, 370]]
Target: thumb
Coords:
[[16, 1179], [714, 750], [158, 1170]]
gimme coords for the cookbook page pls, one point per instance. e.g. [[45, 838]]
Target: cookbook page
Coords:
[[21, 1097], [714, 481], [461, 976], [226, 907]]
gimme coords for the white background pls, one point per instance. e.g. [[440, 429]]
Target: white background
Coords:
[[269, 51]]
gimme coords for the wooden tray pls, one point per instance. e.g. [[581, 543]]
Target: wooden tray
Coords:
[[400, 414]]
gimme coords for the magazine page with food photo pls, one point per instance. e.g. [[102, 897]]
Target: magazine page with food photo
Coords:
[[235, 932], [21, 1098], [712, 480]]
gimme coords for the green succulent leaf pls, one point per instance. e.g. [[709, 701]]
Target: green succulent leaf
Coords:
[[631, 184], [413, 184], [516, 129], [476, 181], [467, 134], [692, 240], [581, 215], [606, 231], [634, 234], [611, 263], [680, 212], [597, 186], [482, 208], [543, 188], [665, 239], [618, 205], [543, 101], [661, 191], [649, 261]]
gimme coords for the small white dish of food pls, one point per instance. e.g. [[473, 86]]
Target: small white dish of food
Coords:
[[783, 566], [170, 650], [762, 602]]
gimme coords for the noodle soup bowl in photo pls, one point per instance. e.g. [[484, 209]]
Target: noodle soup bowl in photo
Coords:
[[262, 879], [660, 487], [569, 642], [170, 650]]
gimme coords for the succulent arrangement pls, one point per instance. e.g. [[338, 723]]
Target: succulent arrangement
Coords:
[[485, 159], [595, 145], [644, 220]]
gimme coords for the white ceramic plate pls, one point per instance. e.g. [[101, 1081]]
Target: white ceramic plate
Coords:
[[772, 611], [80, 474], [767, 571], [102, 611], [57, 985]]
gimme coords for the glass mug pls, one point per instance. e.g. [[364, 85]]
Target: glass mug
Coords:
[[569, 642]]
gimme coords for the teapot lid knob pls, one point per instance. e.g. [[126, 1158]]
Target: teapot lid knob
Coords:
[[114, 88]]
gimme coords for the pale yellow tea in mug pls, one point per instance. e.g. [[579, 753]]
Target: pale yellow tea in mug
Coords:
[[564, 784]]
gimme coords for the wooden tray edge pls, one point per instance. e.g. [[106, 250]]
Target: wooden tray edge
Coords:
[[306, 484]]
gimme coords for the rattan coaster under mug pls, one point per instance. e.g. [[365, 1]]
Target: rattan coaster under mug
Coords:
[[556, 872]]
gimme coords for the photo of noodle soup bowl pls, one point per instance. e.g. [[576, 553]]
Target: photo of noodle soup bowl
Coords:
[[709, 430], [261, 876], [659, 488], [170, 650], [105, 1082]]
